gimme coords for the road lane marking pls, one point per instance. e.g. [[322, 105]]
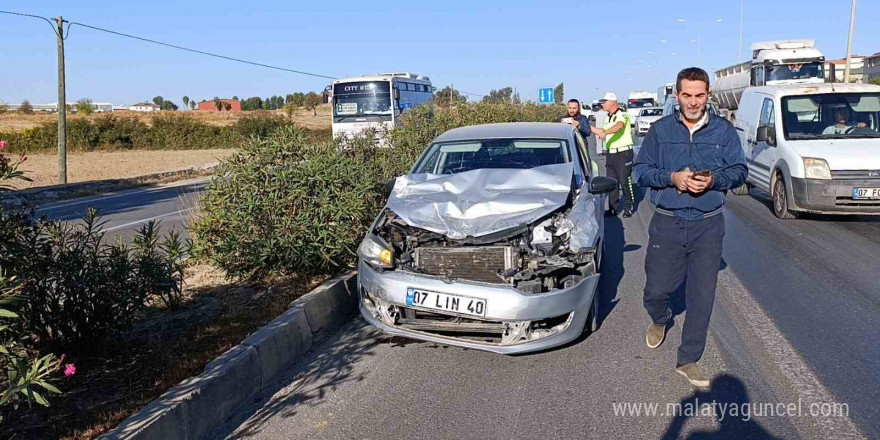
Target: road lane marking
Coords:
[[148, 219], [122, 194]]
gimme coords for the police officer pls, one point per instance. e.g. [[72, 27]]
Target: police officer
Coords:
[[575, 118], [689, 160], [617, 134]]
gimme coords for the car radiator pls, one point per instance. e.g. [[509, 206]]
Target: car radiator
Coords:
[[478, 263]]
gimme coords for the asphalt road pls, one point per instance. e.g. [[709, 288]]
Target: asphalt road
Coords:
[[124, 213], [794, 324]]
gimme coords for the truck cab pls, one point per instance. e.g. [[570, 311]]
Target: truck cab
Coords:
[[813, 147]]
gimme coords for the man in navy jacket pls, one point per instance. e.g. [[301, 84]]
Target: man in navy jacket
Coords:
[[689, 160]]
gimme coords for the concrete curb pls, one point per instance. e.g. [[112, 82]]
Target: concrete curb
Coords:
[[196, 406], [54, 193]]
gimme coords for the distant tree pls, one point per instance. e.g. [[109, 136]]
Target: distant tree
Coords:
[[186, 101], [503, 96], [288, 99], [267, 104], [516, 99], [227, 106], [875, 81], [299, 99], [234, 98], [560, 94], [26, 107], [313, 100], [252, 103], [289, 110], [193, 105], [84, 106], [3, 107], [279, 102], [218, 104], [158, 100], [448, 96], [168, 105]]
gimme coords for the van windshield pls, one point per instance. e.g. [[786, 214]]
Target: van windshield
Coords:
[[831, 116]]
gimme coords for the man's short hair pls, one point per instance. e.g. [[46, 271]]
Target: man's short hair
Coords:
[[692, 74], [574, 101]]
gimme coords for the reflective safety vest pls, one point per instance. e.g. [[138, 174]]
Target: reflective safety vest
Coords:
[[622, 140]]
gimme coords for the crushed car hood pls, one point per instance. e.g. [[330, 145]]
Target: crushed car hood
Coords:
[[480, 202]]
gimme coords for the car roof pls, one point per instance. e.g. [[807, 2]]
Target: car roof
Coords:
[[522, 130]]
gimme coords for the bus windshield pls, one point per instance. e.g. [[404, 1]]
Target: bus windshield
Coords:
[[362, 99]]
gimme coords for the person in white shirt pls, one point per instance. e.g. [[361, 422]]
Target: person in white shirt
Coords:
[[843, 125]]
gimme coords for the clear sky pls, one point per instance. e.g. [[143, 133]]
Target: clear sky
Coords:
[[591, 46]]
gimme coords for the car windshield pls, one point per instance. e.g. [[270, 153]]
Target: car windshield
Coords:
[[651, 112], [458, 157], [795, 71], [831, 115]]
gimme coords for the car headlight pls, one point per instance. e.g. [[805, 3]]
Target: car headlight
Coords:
[[376, 252], [816, 168]]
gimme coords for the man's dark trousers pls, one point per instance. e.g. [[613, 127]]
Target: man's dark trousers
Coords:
[[682, 251], [619, 166]]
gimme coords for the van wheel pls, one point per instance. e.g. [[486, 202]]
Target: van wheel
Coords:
[[780, 200], [742, 190]]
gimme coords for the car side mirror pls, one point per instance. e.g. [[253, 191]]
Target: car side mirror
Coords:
[[602, 185], [766, 134], [389, 186]]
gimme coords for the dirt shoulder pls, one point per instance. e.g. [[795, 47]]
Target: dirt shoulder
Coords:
[[15, 122], [84, 167]]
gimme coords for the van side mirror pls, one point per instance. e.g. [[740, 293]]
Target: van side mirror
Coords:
[[766, 133], [602, 185]]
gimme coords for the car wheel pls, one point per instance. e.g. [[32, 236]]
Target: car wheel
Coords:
[[742, 190], [780, 200]]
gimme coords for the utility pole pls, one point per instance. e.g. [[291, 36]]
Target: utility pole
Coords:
[[62, 106], [742, 5], [852, 25]]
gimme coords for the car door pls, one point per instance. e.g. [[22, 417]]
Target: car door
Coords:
[[590, 169], [763, 155]]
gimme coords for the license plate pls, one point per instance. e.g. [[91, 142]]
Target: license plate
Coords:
[[445, 302], [866, 193]]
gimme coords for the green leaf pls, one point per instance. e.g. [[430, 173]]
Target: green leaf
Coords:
[[7, 314], [3, 350], [40, 399], [49, 387]]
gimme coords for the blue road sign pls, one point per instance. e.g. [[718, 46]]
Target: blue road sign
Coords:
[[546, 96]]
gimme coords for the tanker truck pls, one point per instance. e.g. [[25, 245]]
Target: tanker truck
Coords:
[[773, 62]]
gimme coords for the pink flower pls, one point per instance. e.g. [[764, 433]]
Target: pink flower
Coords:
[[69, 370], [2, 145]]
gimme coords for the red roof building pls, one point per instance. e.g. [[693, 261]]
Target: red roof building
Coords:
[[211, 106]]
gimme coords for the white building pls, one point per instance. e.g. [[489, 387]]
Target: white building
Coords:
[[144, 107]]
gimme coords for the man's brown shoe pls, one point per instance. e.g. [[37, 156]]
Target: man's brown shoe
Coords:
[[656, 334], [694, 375]]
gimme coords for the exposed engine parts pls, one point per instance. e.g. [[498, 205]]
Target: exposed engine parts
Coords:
[[532, 258]]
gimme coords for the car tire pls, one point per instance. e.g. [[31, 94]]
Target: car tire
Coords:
[[780, 200], [742, 190]]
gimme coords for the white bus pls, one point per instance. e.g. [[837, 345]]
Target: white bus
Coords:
[[374, 101]]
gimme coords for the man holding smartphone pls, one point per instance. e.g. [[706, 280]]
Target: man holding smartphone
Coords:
[[689, 160], [576, 118]]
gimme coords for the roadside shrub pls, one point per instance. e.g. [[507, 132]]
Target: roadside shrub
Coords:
[[286, 205], [260, 124], [120, 132], [80, 289], [184, 132]]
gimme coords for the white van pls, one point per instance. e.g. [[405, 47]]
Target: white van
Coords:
[[813, 147]]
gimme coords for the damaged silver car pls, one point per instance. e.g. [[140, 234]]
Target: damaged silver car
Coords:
[[493, 241]]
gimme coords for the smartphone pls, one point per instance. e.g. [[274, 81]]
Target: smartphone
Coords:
[[566, 120], [706, 173]]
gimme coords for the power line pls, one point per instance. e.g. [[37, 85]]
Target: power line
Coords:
[[174, 46]]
